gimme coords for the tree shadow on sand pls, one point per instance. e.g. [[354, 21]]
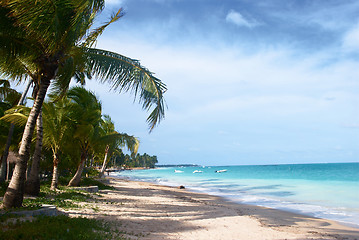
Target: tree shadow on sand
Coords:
[[175, 210]]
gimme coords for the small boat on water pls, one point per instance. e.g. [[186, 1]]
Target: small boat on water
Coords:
[[178, 171], [220, 171], [197, 171]]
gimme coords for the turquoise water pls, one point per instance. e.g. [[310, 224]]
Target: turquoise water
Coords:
[[321, 190]]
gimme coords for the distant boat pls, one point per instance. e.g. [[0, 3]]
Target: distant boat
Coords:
[[178, 171], [197, 171], [220, 171]]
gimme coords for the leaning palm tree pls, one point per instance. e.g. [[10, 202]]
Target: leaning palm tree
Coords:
[[91, 132], [114, 141], [85, 113], [32, 183], [52, 41]]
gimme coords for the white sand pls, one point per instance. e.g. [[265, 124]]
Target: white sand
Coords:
[[148, 211]]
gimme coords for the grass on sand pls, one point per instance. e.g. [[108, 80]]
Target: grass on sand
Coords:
[[56, 227]]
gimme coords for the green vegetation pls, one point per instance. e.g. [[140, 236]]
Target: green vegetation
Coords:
[[52, 42], [59, 227], [138, 160], [76, 134], [64, 197]]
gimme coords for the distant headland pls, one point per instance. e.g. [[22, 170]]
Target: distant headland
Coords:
[[177, 165]]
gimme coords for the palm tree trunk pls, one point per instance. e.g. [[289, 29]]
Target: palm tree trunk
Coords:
[[15, 192], [9, 137], [32, 184], [75, 181], [4, 163], [55, 173], [104, 161]]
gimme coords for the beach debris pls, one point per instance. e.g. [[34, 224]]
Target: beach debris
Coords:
[[197, 171], [181, 187], [220, 171]]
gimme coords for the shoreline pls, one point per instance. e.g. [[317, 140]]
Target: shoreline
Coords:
[[306, 208], [155, 211]]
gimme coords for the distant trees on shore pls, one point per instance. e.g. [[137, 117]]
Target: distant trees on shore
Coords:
[[139, 160]]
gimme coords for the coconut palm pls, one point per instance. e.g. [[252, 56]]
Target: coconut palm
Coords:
[[32, 183], [64, 121], [114, 141], [86, 115], [8, 98], [57, 131], [91, 132], [53, 41]]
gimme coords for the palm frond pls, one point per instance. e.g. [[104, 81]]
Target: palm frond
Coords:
[[18, 119], [5, 89], [123, 140], [16, 49], [72, 67], [20, 109], [91, 39], [126, 74]]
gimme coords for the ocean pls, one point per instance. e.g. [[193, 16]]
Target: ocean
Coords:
[[328, 191]]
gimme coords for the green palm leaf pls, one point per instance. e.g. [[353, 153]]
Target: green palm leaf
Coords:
[[126, 74], [91, 39], [17, 115]]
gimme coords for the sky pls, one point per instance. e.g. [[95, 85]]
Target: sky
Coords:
[[249, 82]]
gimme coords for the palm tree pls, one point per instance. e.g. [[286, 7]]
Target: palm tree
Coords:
[[32, 183], [57, 132], [68, 117], [114, 141], [52, 41], [85, 112], [91, 132], [8, 98]]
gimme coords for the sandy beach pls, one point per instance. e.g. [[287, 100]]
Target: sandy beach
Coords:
[[148, 211]]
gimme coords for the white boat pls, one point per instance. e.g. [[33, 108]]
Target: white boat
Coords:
[[197, 171], [178, 171], [220, 171]]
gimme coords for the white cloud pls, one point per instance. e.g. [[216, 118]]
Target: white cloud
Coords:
[[225, 81], [222, 90], [238, 19], [351, 40]]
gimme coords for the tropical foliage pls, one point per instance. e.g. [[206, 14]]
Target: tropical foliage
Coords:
[[52, 42], [121, 160], [9, 135], [75, 129]]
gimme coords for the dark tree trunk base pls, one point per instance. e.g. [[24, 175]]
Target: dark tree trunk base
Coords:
[[75, 181]]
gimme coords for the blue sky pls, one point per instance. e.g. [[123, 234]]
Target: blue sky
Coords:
[[249, 82]]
